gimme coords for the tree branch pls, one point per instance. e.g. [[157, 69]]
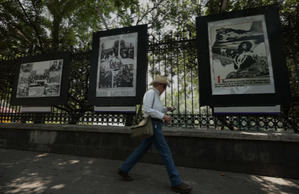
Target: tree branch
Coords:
[[34, 27], [223, 5], [100, 13], [148, 11]]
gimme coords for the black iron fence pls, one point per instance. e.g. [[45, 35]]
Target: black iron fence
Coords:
[[175, 56]]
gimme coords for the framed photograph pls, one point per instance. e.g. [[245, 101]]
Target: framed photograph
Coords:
[[42, 80], [118, 66], [240, 59]]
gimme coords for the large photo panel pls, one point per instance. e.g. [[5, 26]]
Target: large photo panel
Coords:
[[241, 61], [118, 66], [42, 80]]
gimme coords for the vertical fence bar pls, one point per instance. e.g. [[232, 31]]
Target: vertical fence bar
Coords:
[[165, 71], [184, 64], [171, 68], [178, 75]]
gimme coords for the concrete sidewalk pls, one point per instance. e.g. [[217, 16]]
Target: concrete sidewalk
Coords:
[[23, 172]]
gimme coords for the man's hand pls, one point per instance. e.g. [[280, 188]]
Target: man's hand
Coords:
[[167, 118], [171, 108]]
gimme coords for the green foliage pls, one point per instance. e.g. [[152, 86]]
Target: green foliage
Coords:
[[20, 33], [37, 26]]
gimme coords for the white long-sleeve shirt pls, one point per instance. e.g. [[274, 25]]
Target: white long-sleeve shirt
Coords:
[[158, 110]]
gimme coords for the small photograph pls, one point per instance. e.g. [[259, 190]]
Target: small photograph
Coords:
[[40, 79], [109, 50], [124, 77], [52, 89], [56, 66], [126, 49], [26, 67]]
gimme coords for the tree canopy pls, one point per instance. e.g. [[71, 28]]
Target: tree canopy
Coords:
[[35, 26]]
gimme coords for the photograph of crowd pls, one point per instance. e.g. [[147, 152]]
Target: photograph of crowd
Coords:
[[117, 65], [40, 79], [240, 56]]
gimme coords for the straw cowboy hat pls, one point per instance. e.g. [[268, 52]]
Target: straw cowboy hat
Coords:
[[160, 79]]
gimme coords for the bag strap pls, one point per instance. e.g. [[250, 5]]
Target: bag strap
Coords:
[[153, 100], [140, 107]]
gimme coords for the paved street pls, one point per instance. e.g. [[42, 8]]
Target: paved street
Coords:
[[24, 172]]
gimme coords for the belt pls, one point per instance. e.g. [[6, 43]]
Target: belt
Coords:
[[156, 120]]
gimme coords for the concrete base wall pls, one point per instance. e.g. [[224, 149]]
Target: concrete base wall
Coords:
[[272, 154]]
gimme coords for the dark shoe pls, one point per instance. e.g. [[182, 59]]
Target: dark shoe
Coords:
[[182, 188], [125, 176]]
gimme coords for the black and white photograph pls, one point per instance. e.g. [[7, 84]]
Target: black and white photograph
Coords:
[[40, 79], [241, 61], [240, 57], [117, 65]]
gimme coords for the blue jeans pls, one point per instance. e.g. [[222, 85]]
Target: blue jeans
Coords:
[[161, 145]]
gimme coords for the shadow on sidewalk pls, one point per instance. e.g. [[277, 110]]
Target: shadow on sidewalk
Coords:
[[23, 172]]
